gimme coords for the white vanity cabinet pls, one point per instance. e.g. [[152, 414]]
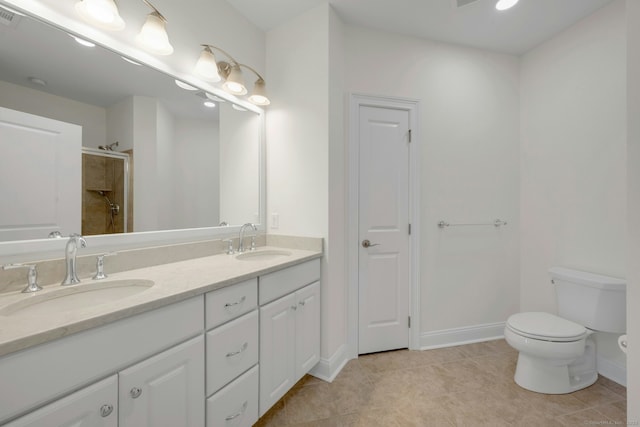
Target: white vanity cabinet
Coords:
[[92, 406], [156, 347], [289, 329], [164, 390]]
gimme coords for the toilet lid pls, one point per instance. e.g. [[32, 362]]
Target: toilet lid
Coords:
[[545, 326]]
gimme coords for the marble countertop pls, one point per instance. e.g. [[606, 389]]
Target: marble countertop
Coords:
[[173, 282]]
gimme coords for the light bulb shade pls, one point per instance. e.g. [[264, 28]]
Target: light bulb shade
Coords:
[[101, 13], [153, 35], [259, 94], [505, 4], [235, 81], [207, 66]]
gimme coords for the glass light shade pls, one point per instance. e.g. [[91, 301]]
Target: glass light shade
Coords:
[[259, 94], [235, 81], [207, 66], [153, 35], [505, 4], [101, 13]]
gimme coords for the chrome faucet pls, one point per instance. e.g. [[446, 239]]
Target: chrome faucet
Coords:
[[71, 278], [241, 243]]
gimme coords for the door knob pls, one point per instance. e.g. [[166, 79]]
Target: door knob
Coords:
[[367, 244]]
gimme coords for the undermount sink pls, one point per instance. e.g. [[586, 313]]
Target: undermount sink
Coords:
[[264, 255], [74, 297]]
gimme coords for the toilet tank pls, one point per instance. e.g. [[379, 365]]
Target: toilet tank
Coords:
[[595, 301]]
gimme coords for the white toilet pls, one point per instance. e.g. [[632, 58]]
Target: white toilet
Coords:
[[556, 354]]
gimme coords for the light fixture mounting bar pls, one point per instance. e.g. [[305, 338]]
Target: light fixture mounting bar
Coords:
[[155, 10], [210, 46]]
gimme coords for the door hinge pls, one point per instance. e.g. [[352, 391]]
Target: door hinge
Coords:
[[409, 321], [409, 228], [409, 135]]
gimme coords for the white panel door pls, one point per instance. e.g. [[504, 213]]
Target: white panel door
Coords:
[[92, 406], [383, 229], [277, 350], [40, 176], [307, 329], [166, 390]]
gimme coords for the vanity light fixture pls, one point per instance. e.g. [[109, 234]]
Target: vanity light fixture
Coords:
[[101, 13], [505, 4], [153, 35], [214, 71]]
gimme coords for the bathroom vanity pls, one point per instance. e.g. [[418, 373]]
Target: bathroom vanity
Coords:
[[213, 341]]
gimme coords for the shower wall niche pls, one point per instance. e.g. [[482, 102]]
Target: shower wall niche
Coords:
[[105, 192]]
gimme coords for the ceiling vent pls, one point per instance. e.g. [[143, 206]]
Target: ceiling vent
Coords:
[[8, 18], [461, 3]]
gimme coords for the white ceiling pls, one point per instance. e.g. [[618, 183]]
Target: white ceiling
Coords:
[[478, 24]]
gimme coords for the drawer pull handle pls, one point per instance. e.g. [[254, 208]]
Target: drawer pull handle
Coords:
[[231, 304], [135, 392], [106, 410], [235, 353], [236, 415]]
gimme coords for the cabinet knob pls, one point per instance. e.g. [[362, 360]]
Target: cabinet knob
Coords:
[[135, 392], [106, 410], [294, 307], [301, 303]]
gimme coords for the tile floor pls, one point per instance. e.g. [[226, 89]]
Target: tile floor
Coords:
[[470, 385]]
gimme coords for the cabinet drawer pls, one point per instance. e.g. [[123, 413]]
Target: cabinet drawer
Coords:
[[228, 303], [231, 349], [279, 283], [236, 404]]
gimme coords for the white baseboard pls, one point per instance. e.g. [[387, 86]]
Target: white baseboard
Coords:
[[460, 336], [328, 369], [612, 369]]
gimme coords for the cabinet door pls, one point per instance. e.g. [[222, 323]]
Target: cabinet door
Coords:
[[92, 406], [166, 390], [307, 329], [277, 350]]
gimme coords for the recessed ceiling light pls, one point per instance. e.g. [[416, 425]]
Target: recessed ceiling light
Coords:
[[131, 61], [37, 81], [209, 104], [83, 42], [185, 86], [214, 98], [505, 4]]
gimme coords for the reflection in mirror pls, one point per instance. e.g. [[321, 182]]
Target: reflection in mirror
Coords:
[[190, 165]]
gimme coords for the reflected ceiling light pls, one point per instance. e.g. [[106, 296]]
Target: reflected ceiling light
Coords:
[[131, 61], [505, 4], [153, 35], [101, 13], [37, 81], [209, 104], [184, 85], [83, 42], [214, 98]]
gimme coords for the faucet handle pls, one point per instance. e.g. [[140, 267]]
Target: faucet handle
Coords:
[[100, 274], [32, 276], [229, 243]]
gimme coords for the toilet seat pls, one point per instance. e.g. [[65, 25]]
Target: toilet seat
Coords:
[[545, 327]]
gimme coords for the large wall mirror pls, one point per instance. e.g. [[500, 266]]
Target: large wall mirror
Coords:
[[151, 156]]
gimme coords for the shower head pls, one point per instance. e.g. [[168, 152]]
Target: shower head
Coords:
[[108, 147]]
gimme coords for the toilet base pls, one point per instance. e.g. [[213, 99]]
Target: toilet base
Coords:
[[543, 376]]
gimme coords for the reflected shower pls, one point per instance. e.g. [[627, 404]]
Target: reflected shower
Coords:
[[114, 208]]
